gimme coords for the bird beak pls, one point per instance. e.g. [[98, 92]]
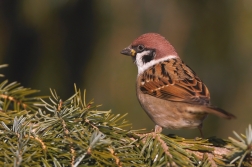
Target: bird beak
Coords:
[[128, 51]]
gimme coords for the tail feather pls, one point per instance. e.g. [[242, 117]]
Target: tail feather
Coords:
[[220, 112]]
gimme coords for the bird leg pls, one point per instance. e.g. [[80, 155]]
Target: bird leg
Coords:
[[200, 129], [158, 129]]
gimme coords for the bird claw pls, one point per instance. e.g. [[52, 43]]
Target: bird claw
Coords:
[[158, 129]]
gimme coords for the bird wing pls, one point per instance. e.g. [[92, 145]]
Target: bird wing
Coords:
[[174, 81]]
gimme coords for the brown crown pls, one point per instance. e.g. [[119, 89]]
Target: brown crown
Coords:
[[157, 42]]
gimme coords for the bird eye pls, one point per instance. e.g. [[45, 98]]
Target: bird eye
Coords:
[[140, 48]]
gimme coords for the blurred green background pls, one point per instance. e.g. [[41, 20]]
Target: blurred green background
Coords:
[[56, 43]]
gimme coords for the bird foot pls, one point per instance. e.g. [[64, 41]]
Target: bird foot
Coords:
[[158, 129], [201, 132]]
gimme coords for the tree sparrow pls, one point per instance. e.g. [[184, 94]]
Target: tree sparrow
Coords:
[[170, 92]]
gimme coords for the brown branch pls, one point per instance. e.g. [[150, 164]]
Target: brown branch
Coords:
[[216, 150], [13, 100]]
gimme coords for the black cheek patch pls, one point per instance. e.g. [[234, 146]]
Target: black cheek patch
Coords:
[[149, 57]]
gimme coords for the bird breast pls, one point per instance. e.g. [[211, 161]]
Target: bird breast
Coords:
[[169, 114]]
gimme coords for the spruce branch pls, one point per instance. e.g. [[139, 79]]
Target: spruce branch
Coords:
[[15, 97], [74, 133], [3, 66]]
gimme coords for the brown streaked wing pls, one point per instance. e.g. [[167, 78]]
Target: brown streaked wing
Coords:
[[174, 81]]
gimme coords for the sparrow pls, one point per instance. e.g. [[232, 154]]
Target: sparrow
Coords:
[[169, 91]]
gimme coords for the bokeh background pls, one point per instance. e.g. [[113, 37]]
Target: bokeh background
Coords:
[[56, 43]]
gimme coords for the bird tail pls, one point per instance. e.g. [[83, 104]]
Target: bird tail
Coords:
[[220, 112]]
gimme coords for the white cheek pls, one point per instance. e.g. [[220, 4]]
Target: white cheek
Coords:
[[139, 60], [144, 66]]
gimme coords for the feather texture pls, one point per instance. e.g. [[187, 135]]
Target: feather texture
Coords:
[[174, 81]]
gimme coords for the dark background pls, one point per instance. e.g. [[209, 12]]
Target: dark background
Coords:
[[56, 43]]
